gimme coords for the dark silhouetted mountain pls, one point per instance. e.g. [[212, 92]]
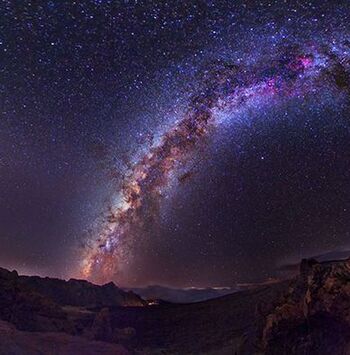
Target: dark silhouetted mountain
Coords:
[[35, 303], [80, 292], [74, 292]]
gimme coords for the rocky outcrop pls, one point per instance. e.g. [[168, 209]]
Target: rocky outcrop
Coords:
[[27, 309], [314, 316], [40, 304], [102, 327]]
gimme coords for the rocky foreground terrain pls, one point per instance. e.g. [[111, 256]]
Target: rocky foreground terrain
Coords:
[[309, 314]]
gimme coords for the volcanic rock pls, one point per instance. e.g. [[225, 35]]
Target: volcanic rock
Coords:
[[314, 316]]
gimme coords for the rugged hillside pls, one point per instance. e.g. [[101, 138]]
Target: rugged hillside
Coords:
[[44, 304], [309, 314], [226, 325], [73, 292], [314, 316], [80, 292]]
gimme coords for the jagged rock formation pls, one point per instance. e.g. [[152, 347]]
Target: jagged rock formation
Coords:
[[314, 316], [81, 293], [27, 309]]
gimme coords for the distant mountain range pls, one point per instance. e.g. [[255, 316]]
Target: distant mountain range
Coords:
[[291, 269], [182, 295]]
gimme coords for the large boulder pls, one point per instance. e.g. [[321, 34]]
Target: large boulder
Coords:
[[102, 326]]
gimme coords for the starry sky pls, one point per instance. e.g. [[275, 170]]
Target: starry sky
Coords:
[[201, 143]]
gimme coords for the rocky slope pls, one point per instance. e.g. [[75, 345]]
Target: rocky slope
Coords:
[[313, 317], [309, 315], [44, 304]]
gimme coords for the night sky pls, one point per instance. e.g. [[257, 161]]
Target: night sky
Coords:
[[183, 143]]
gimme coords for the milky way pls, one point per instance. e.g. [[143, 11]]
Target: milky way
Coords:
[[184, 143], [292, 71]]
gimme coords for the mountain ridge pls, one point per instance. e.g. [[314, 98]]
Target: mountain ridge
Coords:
[[308, 314]]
